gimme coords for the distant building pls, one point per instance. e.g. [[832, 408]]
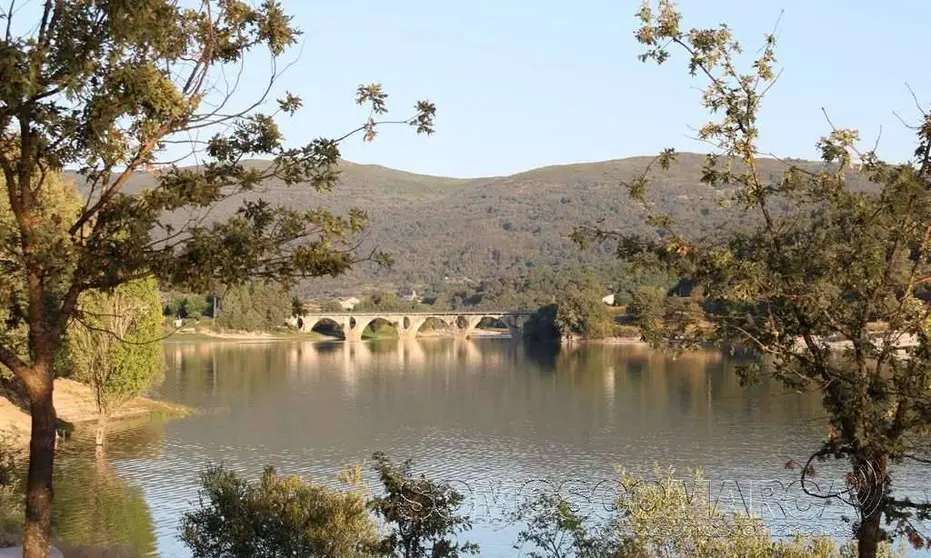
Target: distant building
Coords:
[[349, 303], [410, 296], [609, 300]]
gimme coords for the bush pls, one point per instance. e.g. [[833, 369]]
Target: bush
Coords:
[[554, 528], [421, 514], [11, 501], [657, 518], [278, 516]]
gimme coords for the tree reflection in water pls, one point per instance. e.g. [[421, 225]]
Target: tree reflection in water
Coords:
[[96, 512]]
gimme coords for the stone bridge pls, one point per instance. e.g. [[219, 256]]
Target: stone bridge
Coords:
[[409, 323]]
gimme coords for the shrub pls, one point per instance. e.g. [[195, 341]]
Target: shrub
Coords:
[[658, 518], [11, 501], [277, 516], [421, 514]]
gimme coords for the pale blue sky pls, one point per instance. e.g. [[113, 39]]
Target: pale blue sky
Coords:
[[527, 83]]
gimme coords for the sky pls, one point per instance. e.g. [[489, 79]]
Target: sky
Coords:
[[521, 84]]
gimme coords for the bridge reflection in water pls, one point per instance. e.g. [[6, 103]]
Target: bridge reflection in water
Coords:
[[410, 355], [221, 375], [422, 354]]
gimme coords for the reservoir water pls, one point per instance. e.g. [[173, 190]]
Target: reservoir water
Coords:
[[488, 415]]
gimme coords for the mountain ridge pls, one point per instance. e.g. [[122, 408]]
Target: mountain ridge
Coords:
[[441, 228]]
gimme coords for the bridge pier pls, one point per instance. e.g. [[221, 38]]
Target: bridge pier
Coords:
[[353, 327], [471, 322], [408, 327]]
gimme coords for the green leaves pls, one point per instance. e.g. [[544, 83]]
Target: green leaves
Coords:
[[666, 158], [424, 117], [581, 312], [422, 515], [256, 306], [838, 146], [290, 104], [373, 95], [276, 516]]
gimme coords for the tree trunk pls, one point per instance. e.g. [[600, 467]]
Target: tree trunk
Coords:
[[101, 434], [872, 481], [41, 459]]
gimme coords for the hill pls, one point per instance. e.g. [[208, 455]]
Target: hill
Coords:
[[446, 229]]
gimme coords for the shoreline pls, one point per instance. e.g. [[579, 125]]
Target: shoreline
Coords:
[[74, 404], [564, 341]]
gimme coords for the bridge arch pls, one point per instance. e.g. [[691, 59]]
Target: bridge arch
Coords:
[[378, 322], [447, 323], [321, 324]]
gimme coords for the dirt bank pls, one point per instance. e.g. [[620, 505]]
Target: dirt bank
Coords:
[[74, 403]]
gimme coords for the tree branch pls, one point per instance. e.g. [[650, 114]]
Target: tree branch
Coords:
[[12, 361]]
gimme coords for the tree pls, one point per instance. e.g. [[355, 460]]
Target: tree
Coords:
[[112, 345], [820, 255], [278, 516], [420, 513], [581, 312], [60, 202], [256, 306], [660, 317], [187, 305], [298, 307], [541, 326], [110, 88], [194, 307], [379, 301], [666, 516], [332, 306]]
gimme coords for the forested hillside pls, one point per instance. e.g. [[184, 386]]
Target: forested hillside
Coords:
[[443, 229]]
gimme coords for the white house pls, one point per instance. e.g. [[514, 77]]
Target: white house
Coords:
[[349, 303], [609, 300], [411, 296]]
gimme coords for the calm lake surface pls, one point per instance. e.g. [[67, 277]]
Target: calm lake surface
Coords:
[[488, 415]]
